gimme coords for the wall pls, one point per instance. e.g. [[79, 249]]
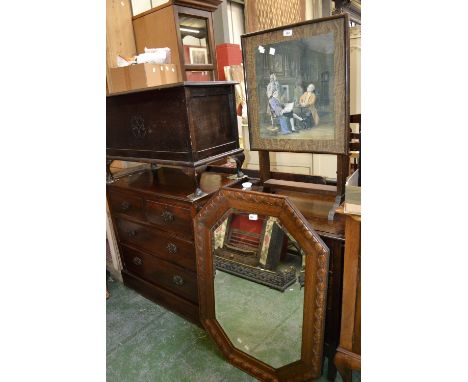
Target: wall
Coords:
[[265, 14], [140, 6], [119, 40], [236, 22], [119, 31], [228, 23]]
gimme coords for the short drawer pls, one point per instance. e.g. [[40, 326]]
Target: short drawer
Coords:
[[158, 243], [171, 277], [126, 204], [169, 217]]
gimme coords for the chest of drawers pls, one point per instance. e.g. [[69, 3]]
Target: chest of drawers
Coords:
[[153, 221]]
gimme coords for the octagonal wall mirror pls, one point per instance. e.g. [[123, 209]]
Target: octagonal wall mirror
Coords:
[[262, 282]]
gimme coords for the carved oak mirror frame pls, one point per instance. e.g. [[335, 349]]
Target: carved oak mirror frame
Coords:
[[316, 271]]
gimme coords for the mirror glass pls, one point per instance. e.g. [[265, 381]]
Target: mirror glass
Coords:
[[194, 33], [259, 294]]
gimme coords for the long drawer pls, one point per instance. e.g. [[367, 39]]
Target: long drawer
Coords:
[[158, 243], [171, 277], [185, 308]]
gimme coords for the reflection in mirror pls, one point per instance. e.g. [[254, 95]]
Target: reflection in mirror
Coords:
[[199, 75], [258, 286], [194, 34]]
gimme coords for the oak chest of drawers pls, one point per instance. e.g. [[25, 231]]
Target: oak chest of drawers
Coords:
[[153, 221]]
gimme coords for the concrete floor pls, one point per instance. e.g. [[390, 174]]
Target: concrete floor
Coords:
[[146, 342]]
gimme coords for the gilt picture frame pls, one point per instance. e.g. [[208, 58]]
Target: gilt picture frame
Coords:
[[311, 60], [198, 56]]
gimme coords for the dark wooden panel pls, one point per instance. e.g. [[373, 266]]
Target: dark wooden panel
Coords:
[[160, 296], [149, 124], [173, 278], [183, 124], [214, 121], [161, 244]]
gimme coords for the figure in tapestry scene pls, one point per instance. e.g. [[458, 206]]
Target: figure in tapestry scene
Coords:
[[272, 86], [302, 72], [283, 113], [308, 100]]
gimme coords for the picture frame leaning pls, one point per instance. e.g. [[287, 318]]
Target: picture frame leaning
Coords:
[[198, 56], [311, 60]]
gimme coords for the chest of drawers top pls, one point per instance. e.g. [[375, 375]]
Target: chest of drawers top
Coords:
[[159, 197], [170, 183]]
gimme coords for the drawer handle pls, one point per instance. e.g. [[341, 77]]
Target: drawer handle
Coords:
[[125, 206], [167, 216], [131, 233], [171, 248], [178, 280], [137, 261]]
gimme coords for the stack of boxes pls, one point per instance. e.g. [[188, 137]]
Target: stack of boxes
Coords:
[[141, 76]]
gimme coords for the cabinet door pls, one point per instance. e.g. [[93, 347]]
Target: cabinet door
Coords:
[[195, 32]]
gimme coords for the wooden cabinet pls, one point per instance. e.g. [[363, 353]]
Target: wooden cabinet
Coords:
[[348, 356], [186, 27], [189, 125], [153, 221], [185, 124]]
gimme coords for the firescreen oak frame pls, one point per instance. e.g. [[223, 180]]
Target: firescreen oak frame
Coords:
[[257, 47]]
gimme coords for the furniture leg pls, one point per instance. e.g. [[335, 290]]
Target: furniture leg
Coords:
[[239, 159], [342, 173], [109, 176], [331, 371], [333, 320], [154, 171], [196, 172], [264, 161], [338, 201], [346, 374]]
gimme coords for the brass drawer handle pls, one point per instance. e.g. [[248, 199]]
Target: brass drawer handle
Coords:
[[178, 280], [131, 233], [137, 261], [167, 216], [125, 206], [171, 248]]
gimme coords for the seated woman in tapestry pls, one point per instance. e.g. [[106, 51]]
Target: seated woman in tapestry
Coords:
[[283, 113], [308, 100]]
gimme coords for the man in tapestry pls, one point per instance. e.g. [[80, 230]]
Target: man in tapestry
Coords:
[[273, 86], [308, 100]]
